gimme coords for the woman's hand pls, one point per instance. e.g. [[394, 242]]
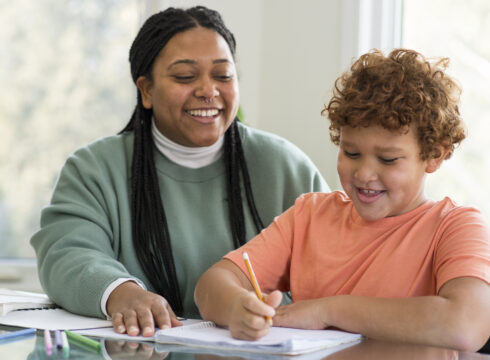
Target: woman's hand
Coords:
[[117, 349], [133, 309], [247, 319], [305, 314]]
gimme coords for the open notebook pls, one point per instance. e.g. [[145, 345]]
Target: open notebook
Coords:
[[205, 334]]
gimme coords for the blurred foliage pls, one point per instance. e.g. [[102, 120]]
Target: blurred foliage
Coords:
[[65, 82], [459, 30]]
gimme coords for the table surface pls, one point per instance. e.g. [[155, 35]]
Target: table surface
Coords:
[[32, 347]]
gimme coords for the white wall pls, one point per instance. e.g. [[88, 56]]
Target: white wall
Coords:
[[288, 59], [299, 64]]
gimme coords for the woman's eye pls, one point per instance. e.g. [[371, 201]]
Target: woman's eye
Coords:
[[351, 154], [184, 78], [223, 77]]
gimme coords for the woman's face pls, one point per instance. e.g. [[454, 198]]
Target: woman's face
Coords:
[[194, 91]]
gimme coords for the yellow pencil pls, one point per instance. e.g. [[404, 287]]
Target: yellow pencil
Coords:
[[255, 284]]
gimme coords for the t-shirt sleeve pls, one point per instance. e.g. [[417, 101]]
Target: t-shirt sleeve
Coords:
[[464, 248], [270, 253]]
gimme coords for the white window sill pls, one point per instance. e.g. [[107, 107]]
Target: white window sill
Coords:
[[19, 274]]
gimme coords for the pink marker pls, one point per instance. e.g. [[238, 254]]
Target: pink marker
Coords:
[[48, 343]]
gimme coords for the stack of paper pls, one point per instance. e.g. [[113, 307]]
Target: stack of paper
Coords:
[[15, 300], [34, 310], [52, 319]]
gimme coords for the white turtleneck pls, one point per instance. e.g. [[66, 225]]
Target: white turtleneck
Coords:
[[191, 157]]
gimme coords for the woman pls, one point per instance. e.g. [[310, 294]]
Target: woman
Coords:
[[136, 218]]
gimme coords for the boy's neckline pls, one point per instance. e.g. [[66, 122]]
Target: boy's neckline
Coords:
[[392, 220]]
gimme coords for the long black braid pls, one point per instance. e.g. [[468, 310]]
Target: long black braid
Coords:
[[150, 233]]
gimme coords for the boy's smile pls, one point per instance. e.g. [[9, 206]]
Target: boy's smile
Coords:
[[381, 170]]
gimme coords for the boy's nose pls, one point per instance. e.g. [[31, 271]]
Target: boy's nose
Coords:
[[365, 173]]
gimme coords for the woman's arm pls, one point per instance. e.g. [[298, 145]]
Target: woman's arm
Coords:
[[224, 295], [459, 317]]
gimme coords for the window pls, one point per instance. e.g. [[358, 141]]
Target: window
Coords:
[[65, 82], [437, 28], [459, 30]]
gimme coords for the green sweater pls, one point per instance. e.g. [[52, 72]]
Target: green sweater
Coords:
[[85, 240]]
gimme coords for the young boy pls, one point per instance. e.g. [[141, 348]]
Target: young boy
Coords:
[[380, 259]]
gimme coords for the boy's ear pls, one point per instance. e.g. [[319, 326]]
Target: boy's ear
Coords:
[[145, 86], [434, 163]]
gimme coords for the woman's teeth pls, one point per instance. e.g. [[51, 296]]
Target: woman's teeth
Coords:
[[203, 112]]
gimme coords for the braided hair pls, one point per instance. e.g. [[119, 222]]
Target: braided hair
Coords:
[[150, 233]]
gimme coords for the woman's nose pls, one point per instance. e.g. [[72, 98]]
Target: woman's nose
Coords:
[[206, 89]]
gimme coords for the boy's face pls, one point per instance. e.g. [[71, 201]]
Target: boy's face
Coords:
[[381, 171]]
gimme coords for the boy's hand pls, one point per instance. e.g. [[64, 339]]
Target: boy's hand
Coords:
[[134, 310], [247, 319], [305, 314]]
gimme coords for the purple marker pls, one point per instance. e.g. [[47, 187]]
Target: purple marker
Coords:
[[57, 338]]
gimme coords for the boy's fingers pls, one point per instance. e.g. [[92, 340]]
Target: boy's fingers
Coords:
[[252, 304], [251, 330], [273, 299]]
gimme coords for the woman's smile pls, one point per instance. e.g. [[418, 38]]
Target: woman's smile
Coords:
[[204, 115]]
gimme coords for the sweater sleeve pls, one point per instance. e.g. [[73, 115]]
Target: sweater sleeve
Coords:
[[78, 243]]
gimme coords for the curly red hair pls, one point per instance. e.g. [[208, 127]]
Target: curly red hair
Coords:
[[395, 92]]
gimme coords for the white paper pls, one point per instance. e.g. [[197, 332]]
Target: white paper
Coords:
[[12, 300], [207, 335], [52, 319]]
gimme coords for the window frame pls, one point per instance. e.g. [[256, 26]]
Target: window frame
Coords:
[[368, 24]]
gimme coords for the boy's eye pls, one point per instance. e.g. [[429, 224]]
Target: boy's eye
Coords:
[[351, 155], [388, 161]]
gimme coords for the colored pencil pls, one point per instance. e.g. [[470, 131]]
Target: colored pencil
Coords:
[[48, 342], [85, 341], [255, 284], [13, 334]]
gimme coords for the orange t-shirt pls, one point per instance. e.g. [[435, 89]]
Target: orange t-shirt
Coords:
[[322, 247]]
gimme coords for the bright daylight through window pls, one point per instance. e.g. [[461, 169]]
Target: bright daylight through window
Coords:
[[459, 30], [65, 82]]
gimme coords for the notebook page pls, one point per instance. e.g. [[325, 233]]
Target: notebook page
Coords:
[[278, 340], [206, 335]]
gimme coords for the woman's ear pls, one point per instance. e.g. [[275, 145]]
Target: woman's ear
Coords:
[[434, 163], [145, 86]]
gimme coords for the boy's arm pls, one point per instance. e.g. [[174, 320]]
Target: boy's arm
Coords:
[[224, 295], [459, 317]]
